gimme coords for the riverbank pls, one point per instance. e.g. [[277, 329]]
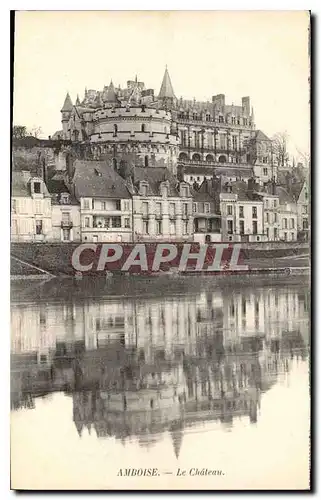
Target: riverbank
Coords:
[[55, 259]]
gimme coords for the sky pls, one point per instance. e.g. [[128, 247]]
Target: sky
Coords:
[[261, 54]]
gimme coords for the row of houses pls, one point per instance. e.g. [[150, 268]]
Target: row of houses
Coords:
[[91, 201]]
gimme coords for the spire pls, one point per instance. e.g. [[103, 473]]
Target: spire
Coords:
[[166, 90], [77, 100], [67, 104], [111, 94]]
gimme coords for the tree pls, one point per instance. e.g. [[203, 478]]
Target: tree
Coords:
[[19, 132], [279, 149], [35, 131]]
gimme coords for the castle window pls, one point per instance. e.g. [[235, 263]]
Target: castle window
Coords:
[[143, 127]]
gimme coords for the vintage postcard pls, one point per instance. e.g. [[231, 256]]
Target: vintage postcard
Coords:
[[160, 250]]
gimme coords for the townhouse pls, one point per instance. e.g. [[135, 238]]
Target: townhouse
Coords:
[[105, 202], [242, 212], [30, 208]]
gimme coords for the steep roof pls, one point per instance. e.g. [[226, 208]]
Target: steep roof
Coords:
[[296, 188], [97, 178], [166, 90], [111, 94], [19, 183], [155, 176], [67, 104], [260, 136], [283, 195], [56, 186], [242, 190]]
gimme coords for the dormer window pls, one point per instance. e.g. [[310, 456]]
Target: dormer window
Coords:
[[143, 189], [65, 198], [37, 187]]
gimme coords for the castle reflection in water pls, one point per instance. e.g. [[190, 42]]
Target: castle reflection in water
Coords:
[[136, 368]]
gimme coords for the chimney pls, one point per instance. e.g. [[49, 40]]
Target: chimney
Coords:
[[246, 105], [49, 137]]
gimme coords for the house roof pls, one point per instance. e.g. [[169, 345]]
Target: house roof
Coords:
[[283, 195], [155, 176], [20, 183], [260, 136], [97, 178], [56, 186], [296, 189], [242, 190]]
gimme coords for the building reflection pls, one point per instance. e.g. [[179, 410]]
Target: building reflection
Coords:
[[138, 368]]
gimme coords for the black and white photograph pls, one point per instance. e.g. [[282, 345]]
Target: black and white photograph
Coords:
[[160, 225]]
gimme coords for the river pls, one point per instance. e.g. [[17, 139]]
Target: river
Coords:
[[205, 382]]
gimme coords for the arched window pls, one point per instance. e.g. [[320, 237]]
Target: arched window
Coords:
[[146, 161], [143, 127], [196, 157], [208, 117], [183, 157], [222, 159], [209, 158]]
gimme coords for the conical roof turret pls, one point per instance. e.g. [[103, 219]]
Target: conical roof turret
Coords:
[[111, 94], [166, 90], [67, 104]]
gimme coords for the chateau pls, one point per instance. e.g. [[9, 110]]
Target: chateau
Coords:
[[131, 166], [200, 138]]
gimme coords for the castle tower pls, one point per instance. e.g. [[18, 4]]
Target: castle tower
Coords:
[[166, 93], [65, 115], [110, 97]]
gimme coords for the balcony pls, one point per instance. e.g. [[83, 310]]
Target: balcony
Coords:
[[211, 123]]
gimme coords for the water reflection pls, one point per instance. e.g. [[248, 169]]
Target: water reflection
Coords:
[[136, 368]]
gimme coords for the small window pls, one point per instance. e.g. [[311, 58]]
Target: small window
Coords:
[[254, 227], [127, 222], [241, 212], [145, 226], [38, 226], [265, 171], [241, 226], [220, 119], [126, 206], [254, 212], [194, 207], [229, 210], [146, 161], [159, 227], [86, 204], [143, 128], [37, 187], [87, 222], [115, 129], [118, 205], [275, 233]]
